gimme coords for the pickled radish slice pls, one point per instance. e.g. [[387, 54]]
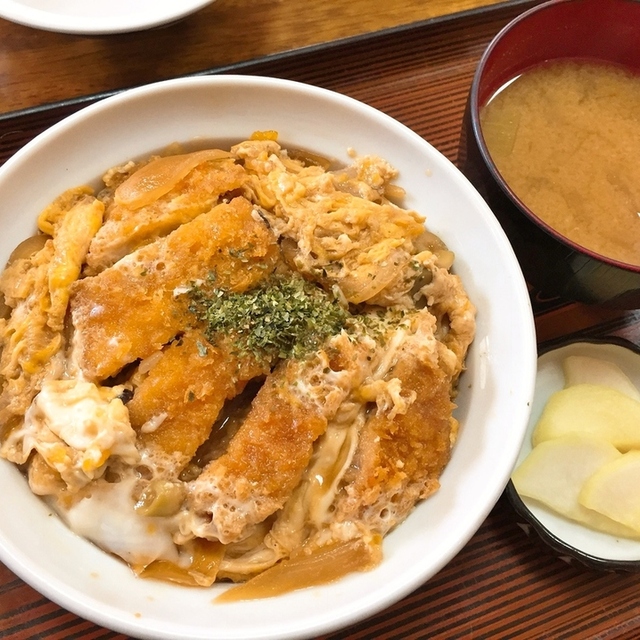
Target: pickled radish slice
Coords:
[[321, 566], [159, 176], [594, 410], [613, 490], [555, 472], [587, 370]]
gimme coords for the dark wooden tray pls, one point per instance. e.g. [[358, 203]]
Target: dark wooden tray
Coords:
[[506, 583]]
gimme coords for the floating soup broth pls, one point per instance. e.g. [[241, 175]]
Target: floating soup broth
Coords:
[[565, 136]]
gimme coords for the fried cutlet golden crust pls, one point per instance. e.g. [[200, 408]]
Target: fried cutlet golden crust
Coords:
[[184, 393], [126, 228], [399, 461], [264, 462], [131, 310]]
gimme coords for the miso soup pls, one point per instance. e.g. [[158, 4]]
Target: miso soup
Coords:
[[566, 138]]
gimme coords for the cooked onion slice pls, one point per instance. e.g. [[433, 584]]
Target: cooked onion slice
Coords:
[[320, 566], [153, 180], [27, 248], [369, 278], [201, 572]]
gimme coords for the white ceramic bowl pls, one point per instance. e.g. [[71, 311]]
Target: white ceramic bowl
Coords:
[[97, 16], [495, 392]]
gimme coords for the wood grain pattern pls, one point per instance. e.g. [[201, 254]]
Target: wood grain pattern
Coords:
[[39, 67], [505, 583]]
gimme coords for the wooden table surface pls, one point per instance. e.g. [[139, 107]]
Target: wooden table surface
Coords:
[[38, 67], [505, 583]]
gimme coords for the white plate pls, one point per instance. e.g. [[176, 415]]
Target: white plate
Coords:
[[495, 392], [589, 546], [97, 16]]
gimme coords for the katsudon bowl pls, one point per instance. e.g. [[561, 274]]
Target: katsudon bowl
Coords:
[[495, 390]]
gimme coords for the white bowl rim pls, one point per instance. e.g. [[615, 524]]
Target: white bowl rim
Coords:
[[366, 605]]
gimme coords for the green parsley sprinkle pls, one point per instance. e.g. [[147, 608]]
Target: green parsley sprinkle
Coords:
[[202, 349], [282, 317]]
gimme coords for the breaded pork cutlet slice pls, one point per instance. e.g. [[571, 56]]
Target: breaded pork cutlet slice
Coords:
[[266, 458], [263, 464], [401, 455], [136, 214], [176, 405], [399, 459], [387, 448], [131, 310]]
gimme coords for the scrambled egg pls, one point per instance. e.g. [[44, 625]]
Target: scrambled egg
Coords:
[[76, 427]]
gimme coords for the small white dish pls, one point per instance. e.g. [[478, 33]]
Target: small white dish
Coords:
[[495, 391], [592, 548], [97, 16]]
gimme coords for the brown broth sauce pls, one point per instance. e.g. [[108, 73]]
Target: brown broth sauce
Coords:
[[566, 138]]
